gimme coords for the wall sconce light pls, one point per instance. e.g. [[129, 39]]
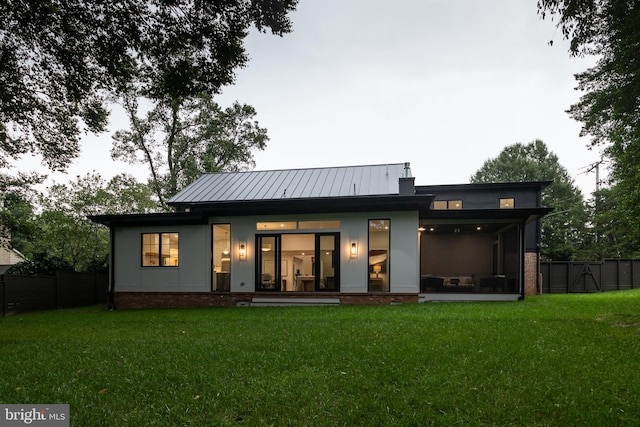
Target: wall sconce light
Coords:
[[354, 250], [377, 269], [242, 251]]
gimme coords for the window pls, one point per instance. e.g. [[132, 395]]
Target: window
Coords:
[[440, 204], [276, 225], [160, 249], [447, 204], [379, 245], [455, 204], [293, 225], [221, 257], [306, 225], [507, 203]]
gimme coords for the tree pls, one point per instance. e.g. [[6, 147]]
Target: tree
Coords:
[[61, 231], [562, 229], [610, 107], [16, 207], [16, 227], [612, 227], [61, 61], [608, 232], [182, 139]]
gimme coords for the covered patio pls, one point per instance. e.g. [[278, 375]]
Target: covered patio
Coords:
[[474, 254]]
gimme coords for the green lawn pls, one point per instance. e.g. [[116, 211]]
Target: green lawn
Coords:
[[552, 360]]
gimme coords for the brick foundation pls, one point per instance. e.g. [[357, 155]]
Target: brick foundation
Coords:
[[531, 270], [227, 299]]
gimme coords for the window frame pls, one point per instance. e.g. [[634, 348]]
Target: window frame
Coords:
[[451, 204], [444, 205], [221, 280], [371, 250], [440, 205], [507, 200], [159, 255]]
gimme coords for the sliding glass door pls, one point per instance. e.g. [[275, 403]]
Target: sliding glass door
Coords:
[[305, 262]]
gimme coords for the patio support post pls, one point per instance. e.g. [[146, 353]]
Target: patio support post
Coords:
[[521, 249]]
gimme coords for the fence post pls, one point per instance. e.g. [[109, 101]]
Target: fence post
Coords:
[[96, 285], [57, 285]]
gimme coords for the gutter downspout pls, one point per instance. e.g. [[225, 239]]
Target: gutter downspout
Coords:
[[522, 263], [111, 305]]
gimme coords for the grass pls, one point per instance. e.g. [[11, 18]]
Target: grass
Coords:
[[549, 360]]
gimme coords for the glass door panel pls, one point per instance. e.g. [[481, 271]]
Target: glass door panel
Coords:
[[268, 257], [298, 258], [328, 264]]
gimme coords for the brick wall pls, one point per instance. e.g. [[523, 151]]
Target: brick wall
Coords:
[[531, 273], [179, 299]]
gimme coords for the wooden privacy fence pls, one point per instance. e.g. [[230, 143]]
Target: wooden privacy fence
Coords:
[[589, 276], [20, 294]]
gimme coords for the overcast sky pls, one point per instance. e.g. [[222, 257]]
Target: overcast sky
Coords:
[[442, 84]]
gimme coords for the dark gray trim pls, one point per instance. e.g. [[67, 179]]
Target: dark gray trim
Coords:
[[530, 214], [162, 219], [200, 213], [422, 189], [313, 205]]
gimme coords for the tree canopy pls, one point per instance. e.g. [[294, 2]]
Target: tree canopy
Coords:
[[184, 138], [52, 229], [609, 109], [61, 61], [561, 230]]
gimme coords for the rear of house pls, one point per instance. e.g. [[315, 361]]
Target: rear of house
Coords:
[[355, 235]]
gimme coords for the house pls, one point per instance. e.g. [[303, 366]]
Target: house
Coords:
[[350, 235], [8, 255]]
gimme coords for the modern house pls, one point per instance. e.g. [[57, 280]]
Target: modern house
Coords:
[[350, 235]]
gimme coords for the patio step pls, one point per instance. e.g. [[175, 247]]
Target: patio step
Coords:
[[449, 297], [264, 301]]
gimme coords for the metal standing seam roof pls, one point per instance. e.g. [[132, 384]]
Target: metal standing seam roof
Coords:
[[341, 181]]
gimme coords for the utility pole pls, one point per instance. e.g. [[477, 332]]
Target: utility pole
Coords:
[[595, 166]]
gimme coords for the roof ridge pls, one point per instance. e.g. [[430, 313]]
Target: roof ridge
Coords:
[[309, 168]]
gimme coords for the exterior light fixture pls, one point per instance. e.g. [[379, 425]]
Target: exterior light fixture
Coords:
[[354, 250], [421, 228], [242, 251]]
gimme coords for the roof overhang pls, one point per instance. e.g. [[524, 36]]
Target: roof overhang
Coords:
[[536, 185], [161, 219], [200, 213], [506, 215], [384, 203]]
